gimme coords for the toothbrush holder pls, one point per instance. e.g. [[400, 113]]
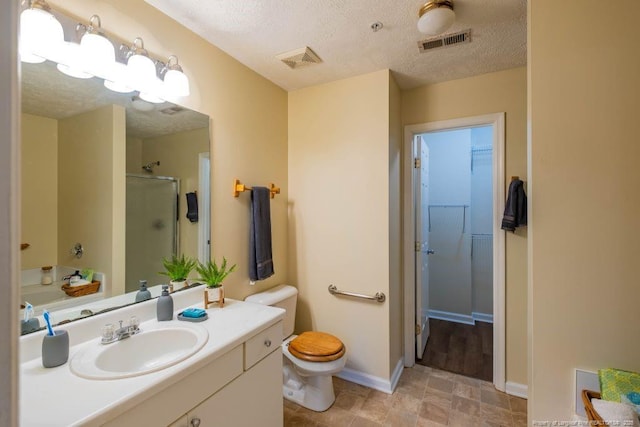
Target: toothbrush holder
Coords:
[[55, 349], [30, 325]]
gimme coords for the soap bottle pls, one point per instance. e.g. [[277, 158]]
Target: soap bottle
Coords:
[[165, 305], [143, 294]]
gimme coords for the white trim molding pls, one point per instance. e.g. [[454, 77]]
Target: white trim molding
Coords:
[[482, 317], [515, 389], [461, 318], [451, 317], [9, 211], [497, 121], [371, 381], [204, 207]]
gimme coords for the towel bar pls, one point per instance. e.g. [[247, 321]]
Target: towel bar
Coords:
[[239, 187], [379, 296]]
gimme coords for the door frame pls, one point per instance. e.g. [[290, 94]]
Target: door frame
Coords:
[[497, 120]]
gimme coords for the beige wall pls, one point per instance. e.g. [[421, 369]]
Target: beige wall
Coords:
[[91, 202], [178, 156], [248, 132], [585, 204], [39, 178], [339, 212], [490, 93], [395, 226], [134, 155]]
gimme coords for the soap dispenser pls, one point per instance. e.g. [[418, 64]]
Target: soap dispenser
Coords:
[[143, 294], [165, 305]]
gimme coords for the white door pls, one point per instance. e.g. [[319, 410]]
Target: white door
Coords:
[[421, 189]]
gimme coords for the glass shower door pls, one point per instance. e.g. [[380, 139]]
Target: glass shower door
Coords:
[[152, 227]]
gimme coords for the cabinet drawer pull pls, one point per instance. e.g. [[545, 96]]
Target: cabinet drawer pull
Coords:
[[267, 342]]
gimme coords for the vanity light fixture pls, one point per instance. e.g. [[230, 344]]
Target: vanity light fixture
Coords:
[[150, 97], [141, 70], [96, 50], [40, 32], [70, 61], [125, 70], [176, 82], [435, 17], [117, 80]]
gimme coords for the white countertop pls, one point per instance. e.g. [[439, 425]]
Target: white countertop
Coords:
[[57, 397]]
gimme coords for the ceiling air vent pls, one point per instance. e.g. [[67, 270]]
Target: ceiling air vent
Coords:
[[444, 41], [299, 58]]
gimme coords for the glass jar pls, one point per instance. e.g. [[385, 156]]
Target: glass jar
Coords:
[[47, 275]]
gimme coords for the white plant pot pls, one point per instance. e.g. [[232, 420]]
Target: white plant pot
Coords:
[[214, 295], [178, 284]]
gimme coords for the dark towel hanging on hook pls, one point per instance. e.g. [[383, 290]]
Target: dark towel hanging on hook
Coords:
[[192, 206], [515, 210]]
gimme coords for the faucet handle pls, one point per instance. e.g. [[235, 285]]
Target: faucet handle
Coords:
[[108, 333], [134, 323]]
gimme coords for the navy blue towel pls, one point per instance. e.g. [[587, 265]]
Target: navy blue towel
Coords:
[[515, 210], [192, 207], [260, 256]]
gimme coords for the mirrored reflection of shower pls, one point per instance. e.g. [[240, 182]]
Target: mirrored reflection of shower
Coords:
[[149, 166], [152, 231]]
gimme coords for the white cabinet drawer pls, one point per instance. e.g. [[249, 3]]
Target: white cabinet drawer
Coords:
[[260, 345]]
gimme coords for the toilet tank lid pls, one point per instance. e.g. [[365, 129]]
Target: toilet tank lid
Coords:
[[273, 295]]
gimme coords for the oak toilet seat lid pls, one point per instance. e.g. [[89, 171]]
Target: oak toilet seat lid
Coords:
[[316, 347]]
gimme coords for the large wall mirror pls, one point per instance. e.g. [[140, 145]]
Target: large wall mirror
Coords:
[[106, 181]]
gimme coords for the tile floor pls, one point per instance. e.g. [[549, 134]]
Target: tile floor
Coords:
[[424, 397]]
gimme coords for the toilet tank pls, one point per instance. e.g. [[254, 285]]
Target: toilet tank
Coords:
[[283, 296]]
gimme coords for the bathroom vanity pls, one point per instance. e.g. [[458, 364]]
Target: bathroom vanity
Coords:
[[239, 366]]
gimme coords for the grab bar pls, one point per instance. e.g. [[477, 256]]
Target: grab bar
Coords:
[[379, 296]]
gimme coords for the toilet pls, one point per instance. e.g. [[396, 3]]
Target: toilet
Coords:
[[309, 359]]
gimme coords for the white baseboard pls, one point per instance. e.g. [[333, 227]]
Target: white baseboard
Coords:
[[482, 317], [371, 381], [451, 317], [515, 389]]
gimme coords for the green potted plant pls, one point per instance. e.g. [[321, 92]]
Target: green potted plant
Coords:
[[213, 275], [177, 269]]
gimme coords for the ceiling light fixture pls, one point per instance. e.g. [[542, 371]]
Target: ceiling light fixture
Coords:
[[40, 32], [435, 17]]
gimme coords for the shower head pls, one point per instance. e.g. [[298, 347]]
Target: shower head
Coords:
[[149, 166]]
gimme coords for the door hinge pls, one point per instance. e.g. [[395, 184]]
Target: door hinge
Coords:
[[418, 246], [416, 163], [418, 329]]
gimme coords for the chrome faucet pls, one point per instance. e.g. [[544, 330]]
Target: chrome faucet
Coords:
[[111, 335]]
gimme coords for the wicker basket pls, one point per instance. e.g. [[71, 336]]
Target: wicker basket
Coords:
[[592, 415], [78, 291]]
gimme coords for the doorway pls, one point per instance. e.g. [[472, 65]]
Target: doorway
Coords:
[[453, 190], [446, 228]]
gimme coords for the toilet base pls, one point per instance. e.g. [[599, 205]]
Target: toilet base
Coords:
[[315, 393]]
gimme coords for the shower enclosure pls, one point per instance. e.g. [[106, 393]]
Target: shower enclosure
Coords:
[[152, 227]]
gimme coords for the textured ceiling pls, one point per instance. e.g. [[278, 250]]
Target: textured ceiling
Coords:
[[255, 31], [47, 92]]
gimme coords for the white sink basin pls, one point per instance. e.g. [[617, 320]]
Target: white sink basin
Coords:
[[157, 347]]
